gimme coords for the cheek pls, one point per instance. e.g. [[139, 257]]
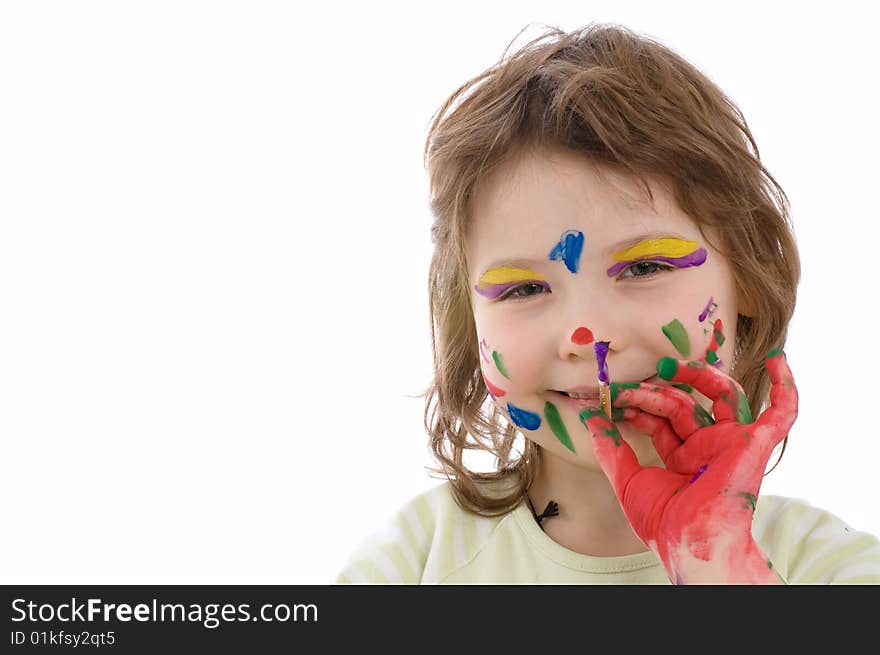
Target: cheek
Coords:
[[510, 357]]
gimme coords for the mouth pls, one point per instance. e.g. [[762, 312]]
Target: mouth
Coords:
[[581, 398]]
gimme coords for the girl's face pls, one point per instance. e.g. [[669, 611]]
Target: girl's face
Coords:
[[560, 258]]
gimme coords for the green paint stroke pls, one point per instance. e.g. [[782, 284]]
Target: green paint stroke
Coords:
[[684, 387], [719, 337], [499, 364], [751, 500], [740, 406], [614, 434], [774, 352], [589, 413], [711, 357], [676, 333], [558, 427], [702, 417], [743, 413]]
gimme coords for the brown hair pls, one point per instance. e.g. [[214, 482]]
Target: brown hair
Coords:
[[628, 102]]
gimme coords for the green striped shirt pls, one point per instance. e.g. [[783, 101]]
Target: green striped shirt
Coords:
[[431, 540]]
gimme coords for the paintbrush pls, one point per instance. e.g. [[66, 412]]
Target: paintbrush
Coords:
[[601, 348]]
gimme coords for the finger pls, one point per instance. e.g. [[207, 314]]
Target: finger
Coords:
[[696, 453], [728, 400], [619, 414], [685, 414], [615, 456], [711, 356], [662, 434], [783, 408]]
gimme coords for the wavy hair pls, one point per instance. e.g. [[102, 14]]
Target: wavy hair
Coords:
[[625, 101]]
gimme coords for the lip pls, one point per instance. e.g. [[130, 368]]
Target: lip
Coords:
[[590, 391], [578, 404]]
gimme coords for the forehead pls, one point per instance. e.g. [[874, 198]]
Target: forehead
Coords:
[[530, 200]]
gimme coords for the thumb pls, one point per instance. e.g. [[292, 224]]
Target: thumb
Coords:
[[617, 459]]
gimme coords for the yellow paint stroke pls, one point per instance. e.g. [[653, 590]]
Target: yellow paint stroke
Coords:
[[507, 274], [668, 247]]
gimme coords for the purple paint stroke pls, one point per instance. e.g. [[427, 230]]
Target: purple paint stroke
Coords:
[[496, 290], [601, 348], [696, 258], [699, 472], [705, 312], [483, 346], [717, 363]]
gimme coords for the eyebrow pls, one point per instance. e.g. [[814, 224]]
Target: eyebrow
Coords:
[[616, 248], [633, 241], [522, 263], [508, 273]]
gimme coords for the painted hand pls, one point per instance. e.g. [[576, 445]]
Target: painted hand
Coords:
[[696, 514]]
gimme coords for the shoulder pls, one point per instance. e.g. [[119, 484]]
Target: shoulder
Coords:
[[427, 538], [810, 545]]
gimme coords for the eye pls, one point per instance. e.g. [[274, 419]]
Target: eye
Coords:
[[646, 269], [525, 290]]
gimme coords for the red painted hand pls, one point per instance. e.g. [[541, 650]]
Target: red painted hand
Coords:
[[696, 513]]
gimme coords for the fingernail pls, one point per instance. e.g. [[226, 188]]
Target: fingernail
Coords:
[[774, 352], [667, 367], [702, 417], [616, 388]]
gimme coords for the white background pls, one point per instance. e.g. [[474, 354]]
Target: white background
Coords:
[[214, 242]]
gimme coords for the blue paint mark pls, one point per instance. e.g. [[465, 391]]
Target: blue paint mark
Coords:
[[569, 249], [523, 418]]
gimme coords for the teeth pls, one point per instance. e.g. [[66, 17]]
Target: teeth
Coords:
[[581, 396]]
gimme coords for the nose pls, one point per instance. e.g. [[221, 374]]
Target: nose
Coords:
[[579, 332]]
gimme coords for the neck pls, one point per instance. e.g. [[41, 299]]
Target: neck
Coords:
[[590, 520]]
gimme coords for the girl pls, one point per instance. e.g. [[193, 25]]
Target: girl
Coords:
[[604, 225]]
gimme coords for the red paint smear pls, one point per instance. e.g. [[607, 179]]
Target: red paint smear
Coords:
[[495, 391], [582, 336], [713, 343]]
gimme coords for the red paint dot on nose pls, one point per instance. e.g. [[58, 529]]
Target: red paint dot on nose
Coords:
[[582, 336]]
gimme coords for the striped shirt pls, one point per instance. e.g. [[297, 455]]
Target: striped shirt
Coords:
[[431, 540]]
